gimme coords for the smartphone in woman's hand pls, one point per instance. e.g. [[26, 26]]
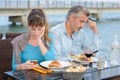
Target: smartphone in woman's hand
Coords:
[[34, 61]]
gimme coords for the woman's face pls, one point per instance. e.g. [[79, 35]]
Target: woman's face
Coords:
[[36, 31]]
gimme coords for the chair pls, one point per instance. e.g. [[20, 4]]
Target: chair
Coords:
[[1, 35], [12, 35], [5, 57]]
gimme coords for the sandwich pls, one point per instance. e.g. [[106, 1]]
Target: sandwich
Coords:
[[55, 64]]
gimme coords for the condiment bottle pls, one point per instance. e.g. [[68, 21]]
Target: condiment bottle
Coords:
[[106, 62], [100, 63], [115, 52]]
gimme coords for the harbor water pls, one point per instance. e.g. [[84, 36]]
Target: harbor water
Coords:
[[108, 26]]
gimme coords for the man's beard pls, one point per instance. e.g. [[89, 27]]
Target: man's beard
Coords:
[[74, 29]]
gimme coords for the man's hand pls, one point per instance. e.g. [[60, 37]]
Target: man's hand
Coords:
[[93, 26]]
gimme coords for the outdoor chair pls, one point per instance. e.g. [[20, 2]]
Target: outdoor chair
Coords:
[[1, 35], [12, 35], [5, 57]]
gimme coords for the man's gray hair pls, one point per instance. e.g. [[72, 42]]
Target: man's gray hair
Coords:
[[77, 10]]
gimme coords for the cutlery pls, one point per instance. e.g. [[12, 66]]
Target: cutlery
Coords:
[[43, 67]]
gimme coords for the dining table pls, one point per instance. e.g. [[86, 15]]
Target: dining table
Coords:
[[92, 73]]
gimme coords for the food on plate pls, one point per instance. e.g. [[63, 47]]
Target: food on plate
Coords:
[[55, 64], [82, 57], [76, 69], [42, 70]]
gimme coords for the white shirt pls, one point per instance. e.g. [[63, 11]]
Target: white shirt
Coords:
[[79, 42]]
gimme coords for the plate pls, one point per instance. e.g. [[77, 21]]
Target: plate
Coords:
[[63, 64], [93, 59]]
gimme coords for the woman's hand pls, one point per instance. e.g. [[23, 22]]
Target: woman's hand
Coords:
[[29, 65], [39, 39], [93, 26], [41, 43], [42, 32]]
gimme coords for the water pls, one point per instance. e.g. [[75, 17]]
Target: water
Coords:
[[108, 26]]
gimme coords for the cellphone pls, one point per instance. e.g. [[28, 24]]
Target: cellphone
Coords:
[[92, 18], [95, 51], [34, 61]]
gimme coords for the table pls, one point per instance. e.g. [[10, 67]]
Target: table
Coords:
[[110, 73]]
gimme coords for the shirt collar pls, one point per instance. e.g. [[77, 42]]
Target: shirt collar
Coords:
[[64, 28], [65, 32]]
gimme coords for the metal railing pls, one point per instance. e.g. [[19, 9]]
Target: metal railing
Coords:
[[58, 3]]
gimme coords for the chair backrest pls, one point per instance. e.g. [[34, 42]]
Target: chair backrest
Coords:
[[12, 35], [1, 34], [5, 56]]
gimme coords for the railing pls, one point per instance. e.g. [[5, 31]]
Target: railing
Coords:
[[59, 3]]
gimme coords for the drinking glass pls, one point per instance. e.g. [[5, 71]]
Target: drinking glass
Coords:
[[88, 54]]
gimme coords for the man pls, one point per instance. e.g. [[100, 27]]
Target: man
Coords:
[[69, 37]]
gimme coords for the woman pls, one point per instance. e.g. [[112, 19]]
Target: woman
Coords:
[[34, 45]]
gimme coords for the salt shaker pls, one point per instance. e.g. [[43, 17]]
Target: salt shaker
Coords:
[[106, 62]]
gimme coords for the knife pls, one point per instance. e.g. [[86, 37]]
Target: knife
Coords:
[[43, 67]]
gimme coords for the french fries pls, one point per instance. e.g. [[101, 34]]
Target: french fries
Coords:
[[42, 70]]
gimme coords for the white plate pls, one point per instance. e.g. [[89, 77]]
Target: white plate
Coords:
[[63, 63], [87, 62]]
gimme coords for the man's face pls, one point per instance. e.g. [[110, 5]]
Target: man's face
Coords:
[[78, 23]]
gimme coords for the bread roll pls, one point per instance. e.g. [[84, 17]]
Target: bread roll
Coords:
[[55, 64]]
